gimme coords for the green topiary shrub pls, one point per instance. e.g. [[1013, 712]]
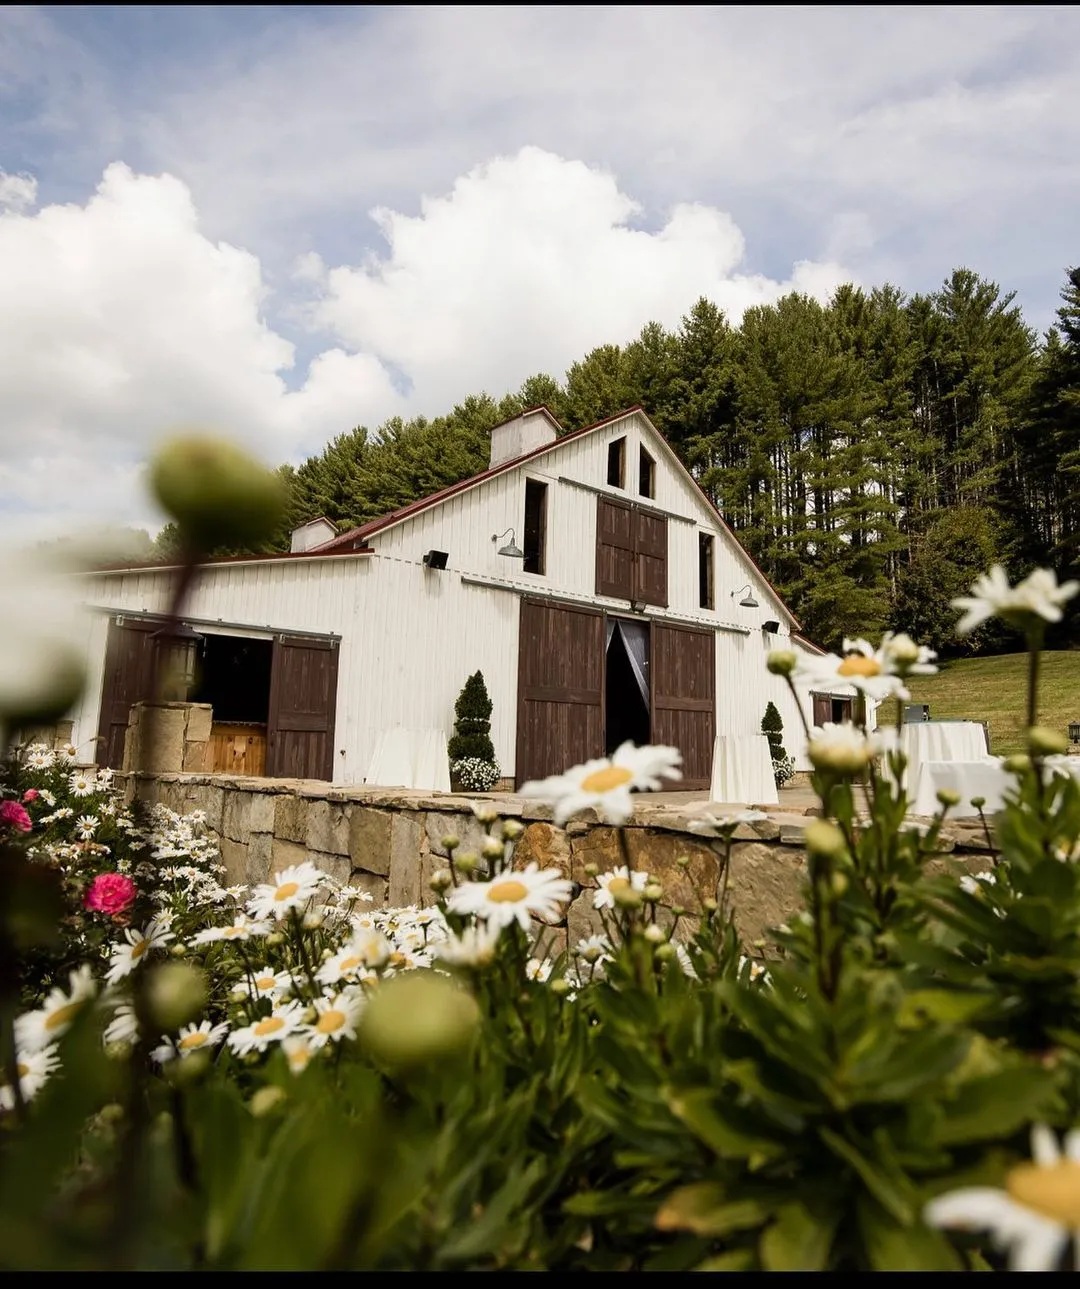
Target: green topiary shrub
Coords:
[[772, 726], [472, 726]]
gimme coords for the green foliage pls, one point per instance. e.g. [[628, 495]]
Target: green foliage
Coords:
[[772, 726], [472, 725]]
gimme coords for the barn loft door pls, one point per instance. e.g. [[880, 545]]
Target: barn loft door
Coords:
[[822, 709], [684, 698], [631, 553], [303, 698], [129, 674], [560, 688]]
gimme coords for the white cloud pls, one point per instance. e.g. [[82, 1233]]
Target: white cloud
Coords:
[[17, 192], [123, 320]]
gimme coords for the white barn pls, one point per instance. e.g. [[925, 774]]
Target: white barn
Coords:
[[586, 575]]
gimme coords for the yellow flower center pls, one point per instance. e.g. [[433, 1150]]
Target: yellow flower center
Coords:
[[231, 931], [398, 959], [270, 1025], [22, 1070], [350, 964], [287, 891], [197, 1039], [509, 892], [857, 664], [62, 1016], [265, 982], [1052, 1190], [137, 950], [618, 884], [607, 779], [330, 1021]]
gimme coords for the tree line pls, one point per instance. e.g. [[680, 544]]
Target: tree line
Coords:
[[872, 454]]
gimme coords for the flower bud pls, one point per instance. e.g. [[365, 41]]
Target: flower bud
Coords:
[[665, 952], [275, 938], [492, 848], [266, 1099], [823, 838], [467, 862], [175, 993], [655, 934], [1046, 742], [1018, 763], [120, 1051], [625, 897], [683, 861], [440, 880], [178, 950], [903, 652], [560, 986], [188, 1070], [679, 911], [782, 662], [839, 882], [591, 870], [418, 1018], [312, 921], [450, 842], [216, 492], [485, 812], [512, 829], [709, 905], [652, 892], [978, 802], [948, 797], [845, 756]]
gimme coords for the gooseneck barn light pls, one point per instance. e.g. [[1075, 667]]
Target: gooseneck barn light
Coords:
[[748, 601], [511, 549]]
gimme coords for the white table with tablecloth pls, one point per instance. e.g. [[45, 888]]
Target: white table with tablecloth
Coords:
[[942, 741], [742, 772], [986, 778], [406, 758]]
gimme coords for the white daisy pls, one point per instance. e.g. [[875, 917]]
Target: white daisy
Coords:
[[476, 946], [906, 657], [86, 826], [191, 1038], [513, 896], [337, 1018], [127, 956], [298, 1052], [257, 1037], [537, 970], [123, 1028], [594, 948], [267, 983], [241, 928], [39, 757], [605, 784], [720, 825], [236, 892], [37, 1029], [82, 785], [105, 778], [757, 970], [290, 889], [48, 798], [365, 953], [614, 883], [33, 1070], [972, 884], [1037, 596], [1036, 1213], [872, 672]]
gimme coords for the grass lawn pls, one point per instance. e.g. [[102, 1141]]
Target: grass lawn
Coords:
[[995, 690]]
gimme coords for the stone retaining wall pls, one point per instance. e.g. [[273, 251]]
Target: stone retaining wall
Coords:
[[389, 841]]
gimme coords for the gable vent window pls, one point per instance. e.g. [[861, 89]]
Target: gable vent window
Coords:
[[535, 530], [616, 463], [705, 571], [647, 475]]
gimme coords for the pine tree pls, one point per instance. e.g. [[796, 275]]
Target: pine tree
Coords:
[[772, 726], [472, 727]]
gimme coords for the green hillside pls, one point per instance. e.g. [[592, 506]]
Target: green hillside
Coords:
[[995, 690]]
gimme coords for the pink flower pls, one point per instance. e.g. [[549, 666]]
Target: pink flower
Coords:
[[110, 893], [15, 816], [31, 794]]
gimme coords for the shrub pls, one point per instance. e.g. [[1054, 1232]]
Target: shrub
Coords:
[[471, 739], [772, 726]]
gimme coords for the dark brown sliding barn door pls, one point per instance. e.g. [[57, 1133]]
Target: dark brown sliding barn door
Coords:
[[614, 549], [129, 674], [650, 558], [560, 689], [303, 699], [683, 670]]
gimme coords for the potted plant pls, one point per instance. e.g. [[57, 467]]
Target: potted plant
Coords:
[[473, 767]]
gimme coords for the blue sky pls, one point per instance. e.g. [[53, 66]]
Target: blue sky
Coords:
[[287, 220]]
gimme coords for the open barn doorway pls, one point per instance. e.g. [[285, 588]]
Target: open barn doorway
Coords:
[[233, 676], [626, 684]]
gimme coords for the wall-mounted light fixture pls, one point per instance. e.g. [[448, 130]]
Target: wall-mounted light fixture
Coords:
[[748, 601], [435, 559], [511, 549], [1074, 731]]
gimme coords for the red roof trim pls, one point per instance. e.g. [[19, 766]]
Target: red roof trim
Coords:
[[157, 566], [809, 643], [463, 485]]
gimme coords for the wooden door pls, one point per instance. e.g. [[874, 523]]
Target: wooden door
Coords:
[[614, 549], [303, 699], [650, 558], [560, 688], [822, 709], [129, 675], [683, 674]]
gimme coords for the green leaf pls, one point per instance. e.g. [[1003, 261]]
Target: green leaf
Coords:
[[720, 1127], [946, 1006], [703, 1208], [798, 1240], [736, 1260], [892, 1245], [995, 1106], [893, 1193]]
